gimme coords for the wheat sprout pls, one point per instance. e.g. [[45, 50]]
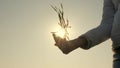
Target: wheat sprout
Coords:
[[64, 23]]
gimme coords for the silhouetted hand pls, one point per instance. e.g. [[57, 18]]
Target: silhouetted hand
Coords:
[[67, 46], [61, 43], [58, 39]]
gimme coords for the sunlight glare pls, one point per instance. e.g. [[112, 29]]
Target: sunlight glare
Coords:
[[60, 33]]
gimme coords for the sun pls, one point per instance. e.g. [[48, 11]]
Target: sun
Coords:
[[61, 33]]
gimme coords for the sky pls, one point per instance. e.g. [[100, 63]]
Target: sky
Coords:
[[26, 40]]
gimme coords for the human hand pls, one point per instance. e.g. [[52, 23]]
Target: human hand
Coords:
[[58, 40], [61, 43]]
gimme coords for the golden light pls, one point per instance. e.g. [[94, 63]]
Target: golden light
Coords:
[[63, 23], [60, 33]]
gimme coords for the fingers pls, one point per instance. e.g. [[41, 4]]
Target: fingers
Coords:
[[58, 40], [55, 37]]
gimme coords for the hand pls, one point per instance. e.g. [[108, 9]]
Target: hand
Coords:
[[64, 45], [61, 43]]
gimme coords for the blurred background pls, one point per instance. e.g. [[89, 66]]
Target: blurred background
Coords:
[[26, 40]]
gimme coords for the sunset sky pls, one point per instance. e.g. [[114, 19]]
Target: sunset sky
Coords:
[[26, 40]]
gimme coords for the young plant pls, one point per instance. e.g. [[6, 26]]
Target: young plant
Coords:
[[63, 23]]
